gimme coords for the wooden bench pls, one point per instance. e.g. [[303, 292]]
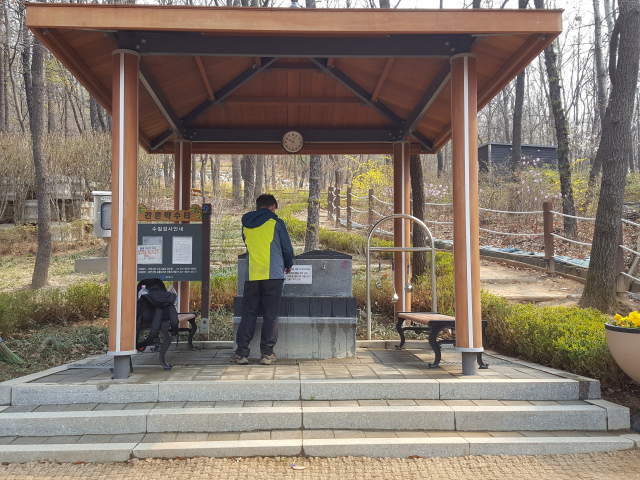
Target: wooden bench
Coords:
[[433, 323], [186, 323]]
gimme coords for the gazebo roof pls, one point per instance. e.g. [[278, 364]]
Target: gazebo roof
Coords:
[[233, 80]]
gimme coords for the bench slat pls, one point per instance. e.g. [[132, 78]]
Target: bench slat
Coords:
[[424, 317]]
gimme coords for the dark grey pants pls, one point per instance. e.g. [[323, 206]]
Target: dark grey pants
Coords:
[[260, 296]]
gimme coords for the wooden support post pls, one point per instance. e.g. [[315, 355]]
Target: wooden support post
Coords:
[[124, 211], [370, 216], [349, 200], [205, 304], [329, 202], [622, 282], [549, 244], [401, 227], [466, 250], [336, 203], [182, 201]]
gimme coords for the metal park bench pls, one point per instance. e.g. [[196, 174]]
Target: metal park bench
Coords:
[[432, 323]]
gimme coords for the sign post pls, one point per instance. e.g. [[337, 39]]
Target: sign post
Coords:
[[206, 271]]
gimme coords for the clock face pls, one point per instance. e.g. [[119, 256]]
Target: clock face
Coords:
[[292, 141]]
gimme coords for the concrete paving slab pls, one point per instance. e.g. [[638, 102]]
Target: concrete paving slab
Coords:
[[386, 447], [224, 419], [73, 423], [229, 390], [96, 452], [350, 389], [559, 417], [509, 389], [246, 448], [547, 445], [618, 417], [48, 394], [379, 418]]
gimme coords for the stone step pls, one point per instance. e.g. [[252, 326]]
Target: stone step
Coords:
[[314, 443], [426, 415], [549, 389]]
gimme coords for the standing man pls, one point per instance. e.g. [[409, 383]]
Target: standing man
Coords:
[[270, 256]]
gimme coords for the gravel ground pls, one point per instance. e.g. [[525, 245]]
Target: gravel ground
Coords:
[[618, 465]]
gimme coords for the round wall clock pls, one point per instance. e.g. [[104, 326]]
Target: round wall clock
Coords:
[[292, 141]]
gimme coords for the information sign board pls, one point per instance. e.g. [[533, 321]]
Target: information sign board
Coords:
[[300, 275], [170, 251]]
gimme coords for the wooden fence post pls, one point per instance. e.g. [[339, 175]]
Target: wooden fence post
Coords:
[[370, 216], [330, 202], [349, 200], [336, 203], [549, 247], [622, 282]]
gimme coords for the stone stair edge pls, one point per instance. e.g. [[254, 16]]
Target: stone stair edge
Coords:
[[371, 447]]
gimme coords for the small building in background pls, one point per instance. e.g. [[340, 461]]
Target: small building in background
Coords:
[[496, 157]]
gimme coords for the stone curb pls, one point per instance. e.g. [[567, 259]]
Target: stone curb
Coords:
[[229, 390], [379, 418], [365, 447], [240, 448], [224, 419], [342, 389], [392, 389], [618, 417], [509, 389], [70, 453], [530, 418], [7, 386]]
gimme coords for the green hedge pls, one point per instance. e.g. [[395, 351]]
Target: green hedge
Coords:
[[570, 339]]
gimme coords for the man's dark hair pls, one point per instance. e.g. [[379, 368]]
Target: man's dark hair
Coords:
[[266, 201]]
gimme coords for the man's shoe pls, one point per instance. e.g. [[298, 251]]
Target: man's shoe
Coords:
[[267, 359], [239, 359]]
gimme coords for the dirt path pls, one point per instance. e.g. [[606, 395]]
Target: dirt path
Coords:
[[618, 465]]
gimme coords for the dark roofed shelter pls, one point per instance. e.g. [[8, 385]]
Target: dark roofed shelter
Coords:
[[190, 80]]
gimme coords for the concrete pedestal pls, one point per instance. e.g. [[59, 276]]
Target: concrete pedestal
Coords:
[[307, 337]]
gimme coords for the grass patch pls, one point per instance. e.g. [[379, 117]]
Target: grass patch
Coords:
[[52, 346]]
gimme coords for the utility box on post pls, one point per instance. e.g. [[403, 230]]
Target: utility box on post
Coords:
[[101, 214]]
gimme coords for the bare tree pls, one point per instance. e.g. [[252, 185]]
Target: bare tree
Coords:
[[236, 178], [624, 56], [562, 135], [33, 75], [248, 175], [259, 183], [419, 236]]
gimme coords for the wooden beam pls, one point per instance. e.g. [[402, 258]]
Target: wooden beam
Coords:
[[383, 77], [293, 100], [264, 21], [204, 78], [276, 149], [292, 66]]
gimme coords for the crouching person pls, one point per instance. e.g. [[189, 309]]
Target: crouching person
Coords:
[[270, 256]]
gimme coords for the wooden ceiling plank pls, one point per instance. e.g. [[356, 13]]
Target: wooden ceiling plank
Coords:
[[292, 100], [383, 77], [204, 78]]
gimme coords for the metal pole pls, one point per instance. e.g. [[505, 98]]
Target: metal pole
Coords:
[[205, 296]]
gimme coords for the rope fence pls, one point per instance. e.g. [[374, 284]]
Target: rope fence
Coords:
[[366, 214]]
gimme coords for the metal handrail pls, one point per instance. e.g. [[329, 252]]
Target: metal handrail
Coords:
[[434, 301]]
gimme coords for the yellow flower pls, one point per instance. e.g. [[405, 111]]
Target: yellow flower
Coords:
[[617, 317], [634, 317]]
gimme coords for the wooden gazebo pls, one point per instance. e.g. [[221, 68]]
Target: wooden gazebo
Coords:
[[233, 80]]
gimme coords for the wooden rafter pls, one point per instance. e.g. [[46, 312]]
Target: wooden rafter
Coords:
[[204, 78], [383, 77], [294, 100]]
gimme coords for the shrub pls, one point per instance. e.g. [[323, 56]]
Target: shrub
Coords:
[[571, 339], [88, 300]]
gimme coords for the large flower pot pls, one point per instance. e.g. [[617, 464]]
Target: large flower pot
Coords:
[[624, 344]]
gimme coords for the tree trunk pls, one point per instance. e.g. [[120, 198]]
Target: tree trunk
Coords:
[[3, 84], [440, 163], [419, 235], [259, 185], [93, 114], [34, 88], [165, 170], [215, 174], [236, 179], [600, 289], [193, 170], [51, 118], [516, 145], [505, 116], [313, 211], [248, 175], [562, 135]]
